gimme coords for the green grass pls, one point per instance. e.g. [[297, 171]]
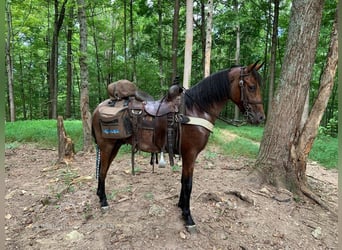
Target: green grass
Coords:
[[324, 151], [44, 134], [239, 146]]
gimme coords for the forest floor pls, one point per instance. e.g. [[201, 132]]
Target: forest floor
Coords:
[[50, 206]]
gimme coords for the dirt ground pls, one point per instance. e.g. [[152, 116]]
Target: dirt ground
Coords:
[[56, 207]]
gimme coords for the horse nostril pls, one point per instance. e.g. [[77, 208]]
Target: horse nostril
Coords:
[[262, 117]]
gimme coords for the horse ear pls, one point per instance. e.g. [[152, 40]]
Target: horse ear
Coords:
[[259, 66], [252, 66], [255, 66]]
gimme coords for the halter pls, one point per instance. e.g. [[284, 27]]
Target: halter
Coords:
[[246, 103]]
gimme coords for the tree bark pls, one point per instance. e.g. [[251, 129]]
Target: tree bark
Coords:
[[209, 19], [84, 102], [311, 125], [273, 55], [237, 54], [53, 60], [69, 63], [175, 39], [9, 62], [188, 44], [277, 158], [132, 46], [160, 47], [99, 73]]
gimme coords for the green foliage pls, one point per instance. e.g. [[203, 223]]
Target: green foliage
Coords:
[[331, 127]]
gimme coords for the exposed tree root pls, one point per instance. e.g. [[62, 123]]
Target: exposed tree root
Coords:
[[311, 195]]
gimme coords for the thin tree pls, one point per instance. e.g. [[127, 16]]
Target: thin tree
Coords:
[[237, 51], [99, 73], [175, 29], [132, 47], [84, 97], [69, 62], [284, 147], [209, 20], [188, 44], [9, 62], [160, 47], [53, 60], [273, 55]]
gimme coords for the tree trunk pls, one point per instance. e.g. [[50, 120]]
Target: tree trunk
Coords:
[[9, 62], [53, 60], [273, 56], [125, 37], [160, 47], [132, 46], [277, 158], [209, 18], [237, 54], [310, 129], [98, 63], [84, 102], [69, 63], [175, 39], [188, 44]]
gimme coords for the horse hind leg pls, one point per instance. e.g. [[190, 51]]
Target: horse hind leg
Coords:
[[106, 158]]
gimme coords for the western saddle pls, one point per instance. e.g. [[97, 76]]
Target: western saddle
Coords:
[[154, 125]]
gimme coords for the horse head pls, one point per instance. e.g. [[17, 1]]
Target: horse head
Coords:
[[246, 92]]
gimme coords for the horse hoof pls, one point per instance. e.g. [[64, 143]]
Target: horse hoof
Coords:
[[104, 208], [191, 228]]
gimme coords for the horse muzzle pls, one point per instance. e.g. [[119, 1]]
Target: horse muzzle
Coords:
[[255, 117]]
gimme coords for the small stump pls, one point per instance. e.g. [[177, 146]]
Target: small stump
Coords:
[[66, 149]]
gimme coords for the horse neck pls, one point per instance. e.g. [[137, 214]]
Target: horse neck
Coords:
[[210, 113]]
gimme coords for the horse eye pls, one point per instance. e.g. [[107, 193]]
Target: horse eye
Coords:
[[252, 88]]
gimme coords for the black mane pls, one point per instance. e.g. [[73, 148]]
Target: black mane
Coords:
[[213, 88]]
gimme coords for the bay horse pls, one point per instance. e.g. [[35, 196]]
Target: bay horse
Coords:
[[205, 100]]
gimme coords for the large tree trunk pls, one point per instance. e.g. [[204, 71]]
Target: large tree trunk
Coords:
[[209, 19], [9, 62], [175, 39], [277, 158], [84, 102], [188, 44]]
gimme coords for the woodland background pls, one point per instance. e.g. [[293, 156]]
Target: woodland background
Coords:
[[142, 41]]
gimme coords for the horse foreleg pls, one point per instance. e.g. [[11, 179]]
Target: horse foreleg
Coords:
[[184, 198]]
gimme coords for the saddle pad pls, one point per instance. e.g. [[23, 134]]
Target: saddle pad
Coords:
[[201, 122]]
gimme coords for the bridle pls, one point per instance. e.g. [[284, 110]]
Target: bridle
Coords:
[[245, 102]]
